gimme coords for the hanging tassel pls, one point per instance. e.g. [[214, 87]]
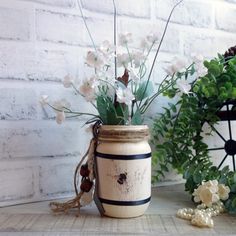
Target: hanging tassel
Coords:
[[85, 195]]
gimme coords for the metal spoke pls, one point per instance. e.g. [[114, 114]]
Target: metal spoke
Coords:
[[233, 162], [214, 149], [229, 123], [213, 128], [222, 161]]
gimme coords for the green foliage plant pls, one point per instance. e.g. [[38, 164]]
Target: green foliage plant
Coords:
[[177, 133]]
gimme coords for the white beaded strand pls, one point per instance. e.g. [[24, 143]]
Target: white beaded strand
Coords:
[[202, 215]]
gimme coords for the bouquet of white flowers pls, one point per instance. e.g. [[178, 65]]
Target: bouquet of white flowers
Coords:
[[120, 88]]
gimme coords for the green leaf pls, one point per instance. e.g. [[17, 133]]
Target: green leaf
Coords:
[[197, 178], [225, 170], [234, 178], [173, 107], [233, 188], [102, 108], [164, 167], [234, 203], [137, 118], [234, 93], [167, 112], [122, 113], [111, 115], [141, 93]]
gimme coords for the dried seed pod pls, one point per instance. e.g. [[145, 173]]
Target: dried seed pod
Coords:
[[86, 185], [84, 171]]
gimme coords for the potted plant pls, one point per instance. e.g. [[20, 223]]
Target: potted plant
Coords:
[[119, 155]]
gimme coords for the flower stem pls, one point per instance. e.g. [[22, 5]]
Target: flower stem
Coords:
[[130, 58], [114, 6], [146, 57], [85, 23], [159, 46], [77, 91], [69, 111], [162, 88]]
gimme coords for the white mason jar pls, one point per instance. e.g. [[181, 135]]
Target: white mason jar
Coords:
[[123, 158]]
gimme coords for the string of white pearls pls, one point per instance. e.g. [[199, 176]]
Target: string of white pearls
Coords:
[[202, 215]]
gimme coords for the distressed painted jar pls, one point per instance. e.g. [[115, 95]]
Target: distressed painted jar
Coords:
[[123, 158]]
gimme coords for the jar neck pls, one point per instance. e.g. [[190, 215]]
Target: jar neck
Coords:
[[123, 133]]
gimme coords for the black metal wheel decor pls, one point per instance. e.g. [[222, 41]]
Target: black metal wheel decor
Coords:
[[227, 113]]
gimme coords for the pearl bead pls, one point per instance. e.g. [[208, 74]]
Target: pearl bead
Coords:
[[202, 215], [189, 216], [190, 211]]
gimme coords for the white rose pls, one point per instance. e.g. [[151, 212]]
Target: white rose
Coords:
[[223, 192], [208, 197], [212, 184]]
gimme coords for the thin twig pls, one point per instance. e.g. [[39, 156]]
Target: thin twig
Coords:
[[85, 23], [114, 35], [159, 46]]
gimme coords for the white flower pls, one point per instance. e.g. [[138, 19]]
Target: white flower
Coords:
[[61, 104], [67, 82], [133, 75], [208, 196], [177, 64], [44, 100], [124, 96], [106, 48], [144, 44], [152, 37], [60, 117], [137, 58], [183, 86], [207, 193], [223, 192], [198, 60], [88, 88], [123, 60], [212, 184], [125, 38], [95, 60]]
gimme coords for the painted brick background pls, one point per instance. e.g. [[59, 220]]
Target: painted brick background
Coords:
[[41, 41]]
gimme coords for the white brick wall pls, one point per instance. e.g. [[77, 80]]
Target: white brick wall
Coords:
[[43, 40]]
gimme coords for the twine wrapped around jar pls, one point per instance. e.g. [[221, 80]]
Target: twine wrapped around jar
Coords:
[[123, 133]]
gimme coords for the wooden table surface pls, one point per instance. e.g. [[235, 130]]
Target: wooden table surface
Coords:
[[36, 219]]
